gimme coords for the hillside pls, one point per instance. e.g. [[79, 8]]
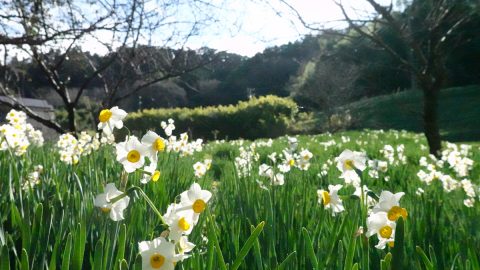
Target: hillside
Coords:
[[459, 112]]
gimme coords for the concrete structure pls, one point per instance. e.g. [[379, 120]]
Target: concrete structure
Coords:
[[39, 106]]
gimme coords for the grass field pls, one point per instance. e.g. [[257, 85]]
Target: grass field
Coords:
[[53, 224]]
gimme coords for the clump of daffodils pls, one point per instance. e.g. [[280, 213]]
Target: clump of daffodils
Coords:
[[33, 178], [142, 155], [244, 162], [394, 156], [276, 178], [201, 168], [18, 135], [454, 164], [383, 217], [165, 251], [183, 146], [71, 148]]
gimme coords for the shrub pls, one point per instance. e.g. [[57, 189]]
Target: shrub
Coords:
[[263, 117]]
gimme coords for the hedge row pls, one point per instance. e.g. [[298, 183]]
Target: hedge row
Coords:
[[263, 117]]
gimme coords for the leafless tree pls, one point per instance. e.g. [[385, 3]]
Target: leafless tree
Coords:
[[32, 28], [430, 32]]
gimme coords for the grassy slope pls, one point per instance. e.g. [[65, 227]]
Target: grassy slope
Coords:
[[459, 112]]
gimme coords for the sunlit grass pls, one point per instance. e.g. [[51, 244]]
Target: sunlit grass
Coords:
[[54, 225]]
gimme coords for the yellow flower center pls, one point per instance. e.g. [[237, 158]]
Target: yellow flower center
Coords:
[[105, 210], [385, 231], [325, 197], [348, 164], [105, 115], [397, 212], [133, 156], [155, 176], [199, 206], [157, 260], [291, 162], [183, 224], [391, 244], [159, 145]]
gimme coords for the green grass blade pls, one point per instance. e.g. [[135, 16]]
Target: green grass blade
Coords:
[[67, 253], [426, 261], [256, 251], [79, 246], [283, 265], [24, 265], [98, 256], [213, 237], [310, 251], [398, 252], [4, 259], [247, 246], [122, 238]]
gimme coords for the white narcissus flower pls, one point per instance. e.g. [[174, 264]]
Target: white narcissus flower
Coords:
[[180, 223], [265, 170], [278, 180], [330, 199], [194, 199], [379, 224], [349, 161], [184, 246], [168, 128], [158, 254], [110, 119], [390, 204], [154, 144], [150, 173], [200, 169], [131, 153], [115, 209]]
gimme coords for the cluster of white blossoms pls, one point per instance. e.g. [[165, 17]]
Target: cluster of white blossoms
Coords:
[[182, 146], [377, 168], [71, 148], [165, 252], [454, 159], [457, 158], [134, 154], [383, 217], [284, 162], [201, 168], [18, 135], [244, 162], [33, 178], [394, 156]]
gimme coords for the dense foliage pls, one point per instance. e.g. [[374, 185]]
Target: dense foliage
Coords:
[[264, 117]]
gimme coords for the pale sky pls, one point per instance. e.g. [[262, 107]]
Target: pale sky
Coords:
[[249, 27], [245, 27]]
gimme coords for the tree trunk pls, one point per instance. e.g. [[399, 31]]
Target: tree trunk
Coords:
[[430, 120], [71, 119]]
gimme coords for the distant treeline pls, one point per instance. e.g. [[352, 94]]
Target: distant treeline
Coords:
[[319, 72]]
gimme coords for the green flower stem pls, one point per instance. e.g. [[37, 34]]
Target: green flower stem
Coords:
[[152, 205]]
